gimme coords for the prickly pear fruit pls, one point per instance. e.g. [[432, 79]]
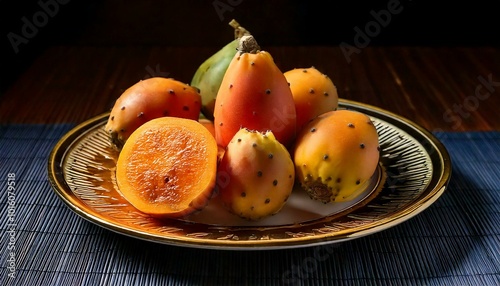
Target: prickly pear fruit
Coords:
[[148, 99], [313, 92], [209, 124], [256, 175], [254, 94], [335, 154], [209, 74]]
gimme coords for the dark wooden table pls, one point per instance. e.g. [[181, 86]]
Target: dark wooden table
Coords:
[[439, 88]]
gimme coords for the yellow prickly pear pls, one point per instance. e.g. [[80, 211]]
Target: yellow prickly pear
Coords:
[[335, 154], [258, 175]]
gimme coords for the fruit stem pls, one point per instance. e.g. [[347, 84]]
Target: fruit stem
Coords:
[[239, 31], [248, 44]]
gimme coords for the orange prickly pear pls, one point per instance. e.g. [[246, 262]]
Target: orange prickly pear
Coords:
[[149, 99], [313, 92], [254, 94]]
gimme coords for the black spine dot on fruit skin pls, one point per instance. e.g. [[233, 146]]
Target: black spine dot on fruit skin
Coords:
[[123, 108], [275, 182], [311, 90], [267, 201], [362, 146], [313, 129], [270, 155], [325, 93], [259, 174], [268, 91], [350, 125], [171, 91], [325, 157], [243, 194]]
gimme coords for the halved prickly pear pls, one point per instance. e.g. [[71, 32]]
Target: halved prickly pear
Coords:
[[335, 154], [149, 99], [168, 166], [258, 175]]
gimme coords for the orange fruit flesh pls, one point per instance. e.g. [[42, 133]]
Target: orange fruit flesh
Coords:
[[167, 167]]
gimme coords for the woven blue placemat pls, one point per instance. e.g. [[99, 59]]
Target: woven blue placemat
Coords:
[[456, 241]]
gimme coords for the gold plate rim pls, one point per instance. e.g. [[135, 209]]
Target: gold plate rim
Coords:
[[441, 174]]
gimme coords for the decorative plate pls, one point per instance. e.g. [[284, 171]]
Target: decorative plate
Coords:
[[413, 173]]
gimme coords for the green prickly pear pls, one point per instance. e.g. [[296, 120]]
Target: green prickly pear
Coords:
[[258, 175], [335, 154], [209, 74]]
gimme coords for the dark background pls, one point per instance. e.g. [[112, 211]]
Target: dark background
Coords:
[[273, 23]]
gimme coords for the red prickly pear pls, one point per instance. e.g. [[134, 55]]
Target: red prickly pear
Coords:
[[254, 94]]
